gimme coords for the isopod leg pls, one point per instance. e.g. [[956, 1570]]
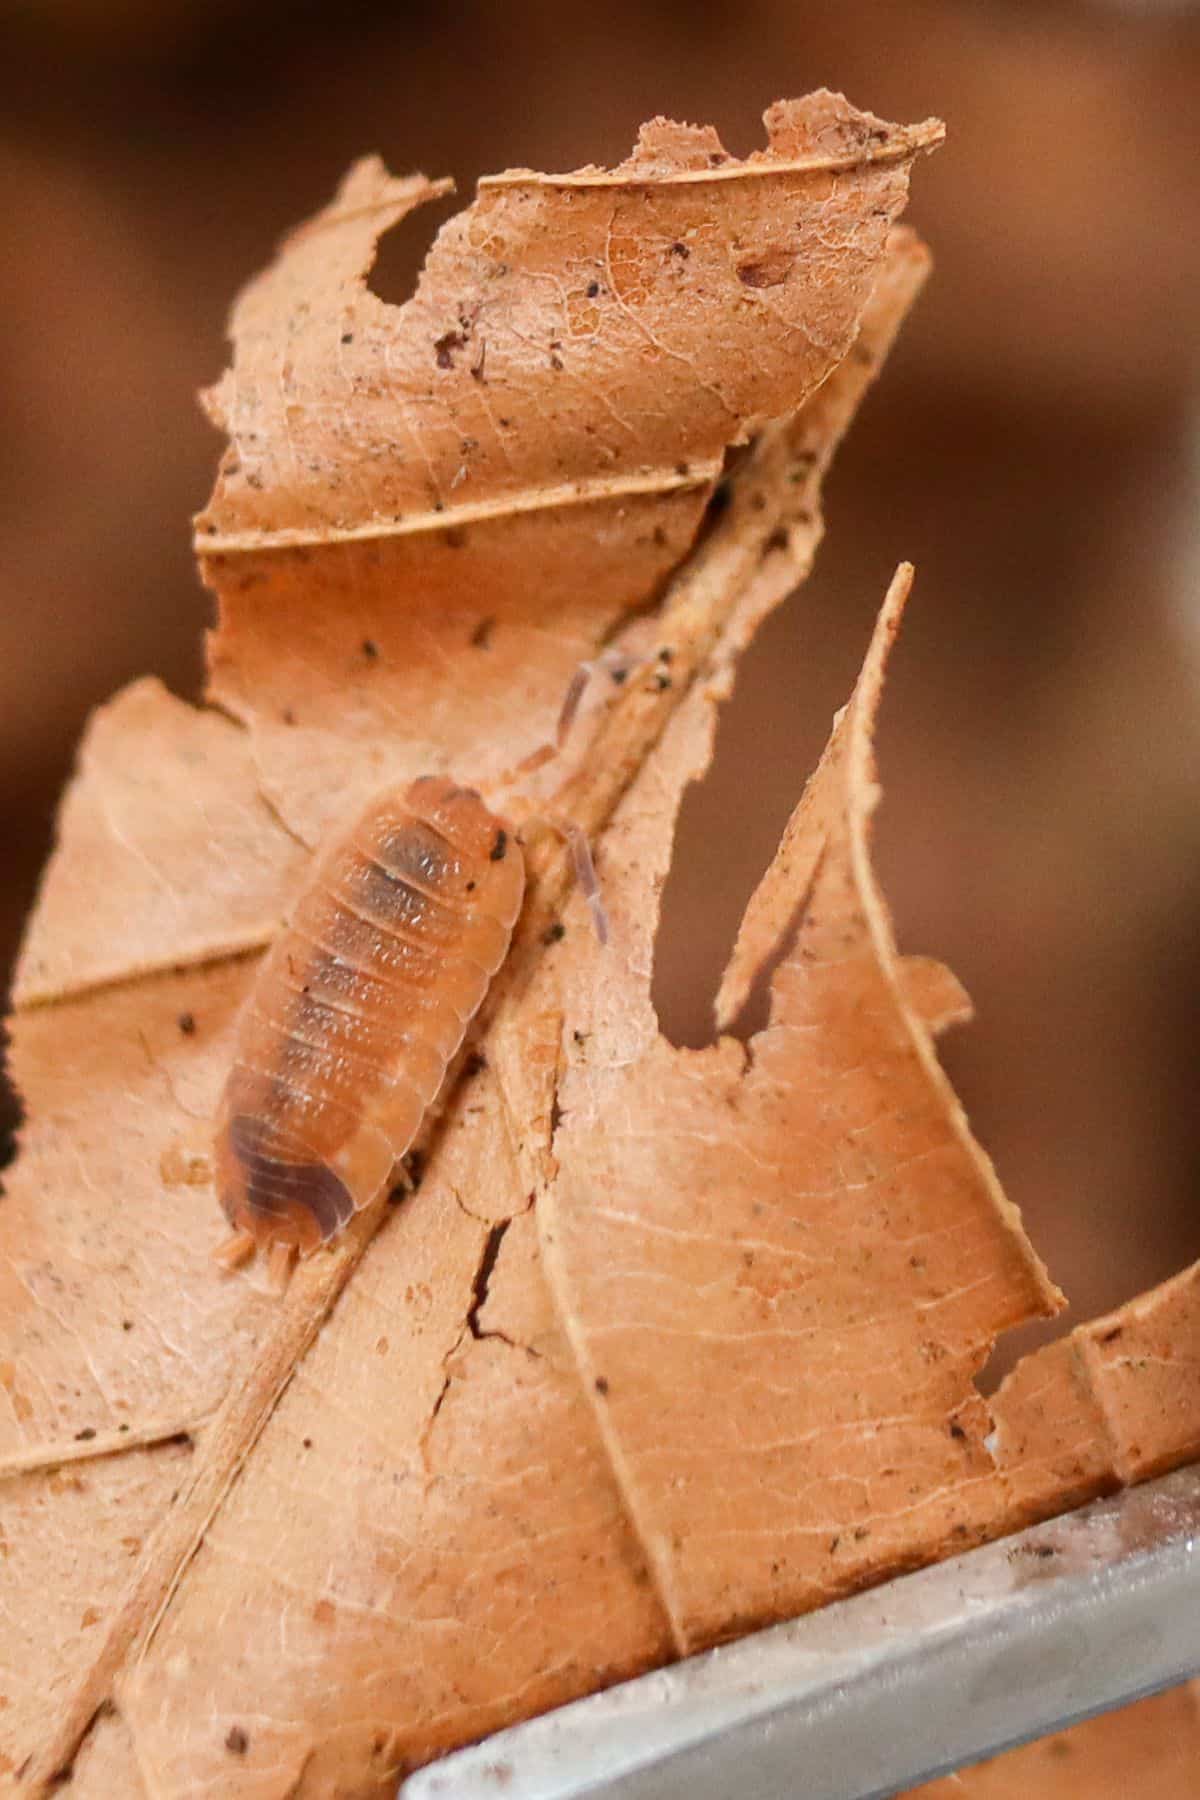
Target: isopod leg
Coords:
[[234, 1251], [279, 1267], [575, 838], [585, 875]]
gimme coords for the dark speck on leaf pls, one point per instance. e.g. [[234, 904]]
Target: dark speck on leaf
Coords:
[[678, 249], [187, 1023], [347, 337], [370, 649], [445, 346], [236, 1741], [481, 637], [593, 288], [602, 1384], [554, 934], [499, 849], [84, 1436]]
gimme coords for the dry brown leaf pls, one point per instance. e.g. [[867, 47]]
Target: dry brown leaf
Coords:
[[196, 865], [669, 1342], [1117, 1401], [768, 1253], [526, 448]]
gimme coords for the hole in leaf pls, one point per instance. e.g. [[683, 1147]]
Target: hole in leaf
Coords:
[[11, 1114], [755, 1011], [769, 739], [401, 251], [1130, 1223]]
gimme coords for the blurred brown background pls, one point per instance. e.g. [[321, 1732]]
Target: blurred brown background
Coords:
[[1033, 448]]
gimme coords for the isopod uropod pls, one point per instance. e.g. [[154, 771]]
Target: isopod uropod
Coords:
[[356, 1011]]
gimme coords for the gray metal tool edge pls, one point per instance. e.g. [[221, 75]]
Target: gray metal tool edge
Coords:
[[871, 1694]]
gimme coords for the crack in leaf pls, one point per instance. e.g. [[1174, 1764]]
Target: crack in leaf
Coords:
[[483, 1275]]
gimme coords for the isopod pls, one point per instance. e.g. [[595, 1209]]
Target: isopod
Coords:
[[365, 998], [356, 1011]]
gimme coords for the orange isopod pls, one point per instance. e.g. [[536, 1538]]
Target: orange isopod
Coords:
[[356, 1011]]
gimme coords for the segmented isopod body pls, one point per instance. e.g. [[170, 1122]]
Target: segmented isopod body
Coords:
[[357, 1009]]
